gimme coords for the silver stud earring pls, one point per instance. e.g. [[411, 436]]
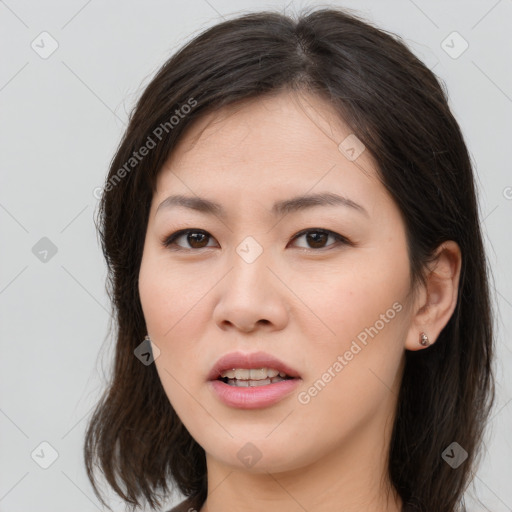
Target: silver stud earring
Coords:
[[424, 340]]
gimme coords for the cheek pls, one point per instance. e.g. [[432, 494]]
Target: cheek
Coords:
[[175, 317], [358, 346], [167, 294], [346, 297], [355, 371]]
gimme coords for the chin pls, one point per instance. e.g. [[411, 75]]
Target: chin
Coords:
[[258, 455]]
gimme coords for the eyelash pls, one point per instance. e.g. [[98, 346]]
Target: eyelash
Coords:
[[168, 241]]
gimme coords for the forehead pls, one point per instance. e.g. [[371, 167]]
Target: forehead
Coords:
[[286, 141]]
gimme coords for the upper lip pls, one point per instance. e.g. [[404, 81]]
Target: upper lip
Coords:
[[249, 360]]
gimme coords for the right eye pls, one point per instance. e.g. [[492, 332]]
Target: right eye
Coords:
[[194, 237]]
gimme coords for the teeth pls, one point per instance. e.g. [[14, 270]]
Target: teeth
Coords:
[[252, 374], [253, 383]]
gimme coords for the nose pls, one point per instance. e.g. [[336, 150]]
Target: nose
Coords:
[[251, 297]]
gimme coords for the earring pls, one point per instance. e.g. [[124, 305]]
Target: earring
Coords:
[[147, 337], [424, 340]]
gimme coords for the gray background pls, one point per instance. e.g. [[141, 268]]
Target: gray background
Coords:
[[62, 117]]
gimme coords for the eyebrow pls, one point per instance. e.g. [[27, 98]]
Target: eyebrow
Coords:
[[279, 208]]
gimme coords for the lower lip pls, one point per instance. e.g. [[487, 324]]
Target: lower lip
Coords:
[[253, 397]]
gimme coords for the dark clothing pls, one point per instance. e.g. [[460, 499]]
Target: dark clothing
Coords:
[[193, 505]]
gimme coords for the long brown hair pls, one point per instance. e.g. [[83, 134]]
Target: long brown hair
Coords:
[[397, 107]]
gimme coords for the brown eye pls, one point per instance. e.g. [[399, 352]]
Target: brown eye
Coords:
[[196, 239], [317, 238]]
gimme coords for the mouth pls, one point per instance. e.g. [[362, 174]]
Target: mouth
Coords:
[[253, 377], [252, 381], [251, 370]]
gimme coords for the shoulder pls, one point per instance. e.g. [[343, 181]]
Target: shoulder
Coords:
[[189, 505]]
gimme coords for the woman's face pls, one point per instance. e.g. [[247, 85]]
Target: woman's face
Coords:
[[249, 278]]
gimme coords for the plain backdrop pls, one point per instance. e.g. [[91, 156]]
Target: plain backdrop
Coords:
[[70, 73]]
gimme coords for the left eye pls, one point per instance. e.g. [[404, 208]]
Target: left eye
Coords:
[[317, 237], [197, 238]]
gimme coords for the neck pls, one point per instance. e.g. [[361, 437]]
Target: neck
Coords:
[[351, 478]]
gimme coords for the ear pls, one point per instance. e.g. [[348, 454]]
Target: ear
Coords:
[[436, 300]]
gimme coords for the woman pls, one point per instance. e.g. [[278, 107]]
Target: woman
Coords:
[[298, 279]]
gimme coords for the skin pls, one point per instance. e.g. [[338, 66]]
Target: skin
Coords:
[[303, 303]]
